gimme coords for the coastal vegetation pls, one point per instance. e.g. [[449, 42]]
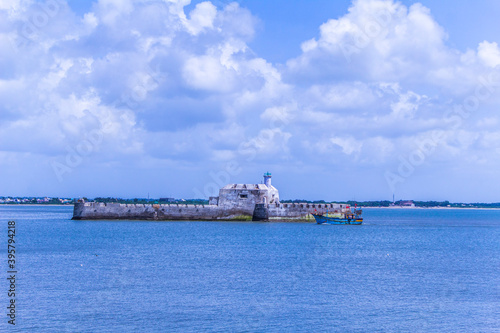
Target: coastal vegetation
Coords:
[[241, 218], [403, 203]]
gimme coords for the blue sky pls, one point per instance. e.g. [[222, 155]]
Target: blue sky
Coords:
[[339, 100]]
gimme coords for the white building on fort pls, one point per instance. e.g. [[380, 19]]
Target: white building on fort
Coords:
[[245, 196]]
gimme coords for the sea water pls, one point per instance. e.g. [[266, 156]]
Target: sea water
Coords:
[[403, 270]]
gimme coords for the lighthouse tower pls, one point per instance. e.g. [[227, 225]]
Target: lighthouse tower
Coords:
[[267, 179]]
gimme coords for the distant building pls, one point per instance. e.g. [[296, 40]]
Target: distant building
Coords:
[[167, 200], [407, 203]]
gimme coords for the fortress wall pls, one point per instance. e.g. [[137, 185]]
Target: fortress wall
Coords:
[[300, 210], [95, 211], [191, 212], [104, 211]]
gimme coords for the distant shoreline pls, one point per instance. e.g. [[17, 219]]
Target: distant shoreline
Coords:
[[40, 205], [435, 207]]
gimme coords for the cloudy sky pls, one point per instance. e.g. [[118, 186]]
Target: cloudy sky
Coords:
[[339, 100]]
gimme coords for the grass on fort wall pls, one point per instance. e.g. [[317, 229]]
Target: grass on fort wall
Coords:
[[241, 218]]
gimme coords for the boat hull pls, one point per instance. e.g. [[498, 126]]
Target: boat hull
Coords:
[[321, 219]]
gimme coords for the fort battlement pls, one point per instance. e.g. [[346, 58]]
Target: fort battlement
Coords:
[[98, 211], [117, 211]]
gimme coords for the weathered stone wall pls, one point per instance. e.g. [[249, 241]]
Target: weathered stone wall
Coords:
[[102, 211], [98, 211], [273, 196], [213, 201], [231, 199], [301, 211]]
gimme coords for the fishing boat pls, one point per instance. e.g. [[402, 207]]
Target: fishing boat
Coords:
[[340, 217]]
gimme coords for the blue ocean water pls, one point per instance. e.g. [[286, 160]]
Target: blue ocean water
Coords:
[[401, 271]]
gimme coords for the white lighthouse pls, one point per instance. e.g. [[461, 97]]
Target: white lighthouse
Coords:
[[267, 179]]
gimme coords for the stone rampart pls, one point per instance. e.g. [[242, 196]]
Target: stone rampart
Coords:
[[110, 211], [116, 211], [300, 211]]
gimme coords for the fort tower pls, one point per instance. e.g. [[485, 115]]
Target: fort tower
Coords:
[[267, 179]]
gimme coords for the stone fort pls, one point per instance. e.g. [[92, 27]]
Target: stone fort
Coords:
[[235, 202]]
